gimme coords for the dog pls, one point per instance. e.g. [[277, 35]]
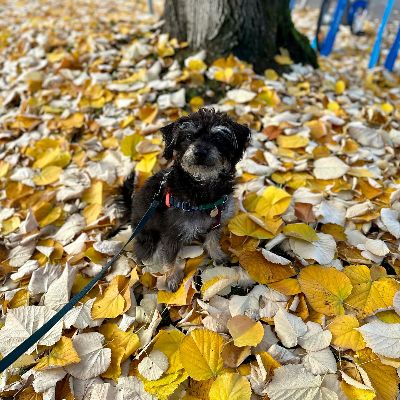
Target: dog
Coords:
[[195, 192]]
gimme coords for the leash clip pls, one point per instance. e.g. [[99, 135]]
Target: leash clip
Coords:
[[186, 206]]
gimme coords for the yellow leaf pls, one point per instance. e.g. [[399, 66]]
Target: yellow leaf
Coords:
[[389, 316], [79, 283], [292, 142], [288, 286], [387, 108], [56, 56], [230, 386], [201, 354], [242, 225], [269, 362], [262, 270], [383, 377], [325, 288], [340, 86], [53, 156], [92, 212], [94, 194], [369, 294], [301, 89], [301, 231], [196, 102], [318, 128], [147, 163], [4, 167], [25, 123], [164, 387], [169, 342], [283, 58], [179, 297], [269, 97], [196, 65], [51, 216], [29, 394], [111, 303], [224, 75], [122, 345], [10, 225], [126, 122], [354, 393], [274, 202], [129, 143], [49, 174], [63, 353], [21, 298], [93, 255], [345, 334], [73, 121], [148, 113], [271, 75], [245, 331], [333, 106]]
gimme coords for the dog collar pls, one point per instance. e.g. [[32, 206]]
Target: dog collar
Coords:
[[216, 207], [171, 201]]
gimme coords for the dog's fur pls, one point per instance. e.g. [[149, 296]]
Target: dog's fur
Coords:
[[205, 148]]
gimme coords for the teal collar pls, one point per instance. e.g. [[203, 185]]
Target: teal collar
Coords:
[[171, 201]]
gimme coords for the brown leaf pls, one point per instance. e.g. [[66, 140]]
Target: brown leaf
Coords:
[[263, 271], [233, 356], [272, 131], [304, 212]]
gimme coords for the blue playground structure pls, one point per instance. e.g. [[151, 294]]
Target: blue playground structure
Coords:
[[349, 11]]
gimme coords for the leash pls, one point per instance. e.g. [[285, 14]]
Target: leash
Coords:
[[10, 358]]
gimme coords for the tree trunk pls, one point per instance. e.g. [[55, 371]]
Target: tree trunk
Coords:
[[253, 30]]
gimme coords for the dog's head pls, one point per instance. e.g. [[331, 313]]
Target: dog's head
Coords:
[[205, 143]]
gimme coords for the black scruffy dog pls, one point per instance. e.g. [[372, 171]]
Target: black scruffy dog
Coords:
[[196, 190]]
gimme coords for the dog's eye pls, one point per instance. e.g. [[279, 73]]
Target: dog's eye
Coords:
[[188, 135], [186, 126], [224, 134]]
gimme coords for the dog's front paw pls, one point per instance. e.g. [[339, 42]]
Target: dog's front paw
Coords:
[[173, 279]]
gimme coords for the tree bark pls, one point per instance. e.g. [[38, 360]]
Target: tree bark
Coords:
[[253, 30]]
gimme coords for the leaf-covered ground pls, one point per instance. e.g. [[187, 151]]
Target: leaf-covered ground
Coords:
[[310, 307]]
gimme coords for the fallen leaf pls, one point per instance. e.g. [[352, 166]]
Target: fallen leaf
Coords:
[[153, 365], [201, 354], [326, 289], [244, 331], [263, 271], [230, 386], [345, 334], [63, 353]]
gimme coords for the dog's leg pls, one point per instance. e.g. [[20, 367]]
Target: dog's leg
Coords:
[[145, 245], [213, 248], [171, 246]]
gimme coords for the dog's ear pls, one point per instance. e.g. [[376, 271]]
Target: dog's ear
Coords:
[[169, 140], [242, 134]]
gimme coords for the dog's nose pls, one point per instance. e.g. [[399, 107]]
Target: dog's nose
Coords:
[[200, 152]]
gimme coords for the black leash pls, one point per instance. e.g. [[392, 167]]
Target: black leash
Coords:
[[37, 335]]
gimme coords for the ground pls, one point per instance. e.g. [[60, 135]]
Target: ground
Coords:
[[309, 307]]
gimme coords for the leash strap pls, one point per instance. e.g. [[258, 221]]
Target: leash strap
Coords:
[[35, 337]]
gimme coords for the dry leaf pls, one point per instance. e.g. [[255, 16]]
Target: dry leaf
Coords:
[[201, 354], [325, 288], [244, 331]]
